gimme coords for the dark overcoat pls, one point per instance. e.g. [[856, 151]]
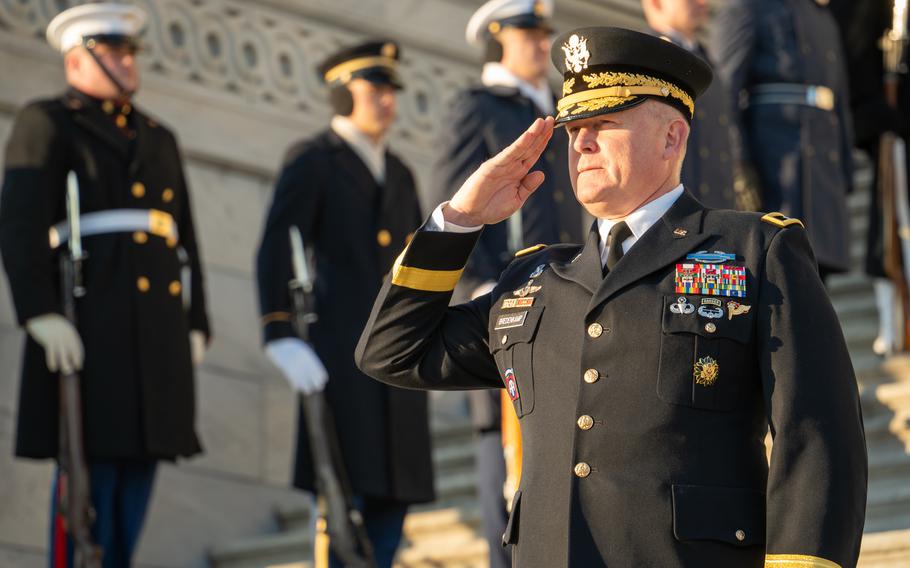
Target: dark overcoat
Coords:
[[713, 146], [801, 154], [138, 389], [863, 24], [482, 122], [643, 409], [354, 228]]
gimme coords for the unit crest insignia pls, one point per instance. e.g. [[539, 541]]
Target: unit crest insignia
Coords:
[[706, 371]]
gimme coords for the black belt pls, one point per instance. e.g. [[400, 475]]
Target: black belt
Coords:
[[815, 96]]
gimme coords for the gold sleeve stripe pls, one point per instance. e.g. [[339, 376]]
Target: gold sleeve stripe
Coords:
[[275, 316], [425, 280], [781, 220], [797, 561]]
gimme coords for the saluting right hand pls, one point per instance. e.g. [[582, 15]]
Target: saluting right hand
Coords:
[[501, 185], [62, 345]]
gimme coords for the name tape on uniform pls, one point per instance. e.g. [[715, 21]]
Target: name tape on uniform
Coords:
[[511, 320], [517, 303]]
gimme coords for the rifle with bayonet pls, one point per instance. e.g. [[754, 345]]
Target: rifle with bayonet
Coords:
[[345, 527], [73, 497], [893, 178]]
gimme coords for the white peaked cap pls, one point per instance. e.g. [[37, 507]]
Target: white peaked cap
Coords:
[[69, 27], [477, 31]]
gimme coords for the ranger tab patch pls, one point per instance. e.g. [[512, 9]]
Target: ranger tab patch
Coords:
[[711, 279]]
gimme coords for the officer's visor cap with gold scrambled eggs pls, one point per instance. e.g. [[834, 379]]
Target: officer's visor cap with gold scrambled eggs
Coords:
[[612, 69], [375, 61], [90, 24]]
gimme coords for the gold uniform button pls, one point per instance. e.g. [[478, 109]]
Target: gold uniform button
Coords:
[[174, 288], [710, 327], [121, 121], [138, 190], [582, 469], [585, 422], [107, 107], [595, 330], [591, 376], [140, 238], [167, 195], [142, 283], [384, 238], [740, 535], [504, 339]]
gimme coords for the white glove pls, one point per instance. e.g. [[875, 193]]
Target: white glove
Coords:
[[61, 342], [299, 364], [198, 345]]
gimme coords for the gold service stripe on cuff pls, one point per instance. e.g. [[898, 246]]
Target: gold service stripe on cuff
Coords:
[[797, 561], [425, 280]]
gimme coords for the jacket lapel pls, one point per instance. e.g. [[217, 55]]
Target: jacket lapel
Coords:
[[677, 233], [585, 269]]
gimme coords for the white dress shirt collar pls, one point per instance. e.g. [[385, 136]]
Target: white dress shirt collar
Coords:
[[639, 221], [372, 153], [496, 75]]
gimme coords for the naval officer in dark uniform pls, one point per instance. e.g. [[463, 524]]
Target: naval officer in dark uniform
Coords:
[[713, 143], [782, 63], [356, 206], [647, 365], [142, 323], [513, 91]]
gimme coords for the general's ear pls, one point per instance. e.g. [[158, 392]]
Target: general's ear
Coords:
[[677, 134]]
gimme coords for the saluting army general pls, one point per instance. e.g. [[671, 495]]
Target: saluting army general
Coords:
[[484, 119], [142, 323], [782, 64], [713, 144], [646, 365], [355, 204]]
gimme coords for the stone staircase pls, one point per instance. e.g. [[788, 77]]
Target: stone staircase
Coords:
[[885, 394], [445, 534]]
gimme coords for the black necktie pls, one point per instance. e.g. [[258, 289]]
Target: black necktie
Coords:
[[616, 237]]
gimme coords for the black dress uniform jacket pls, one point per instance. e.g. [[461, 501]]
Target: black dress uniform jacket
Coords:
[[630, 458], [863, 24], [801, 154], [138, 391], [713, 144], [483, 121], [355, 228]]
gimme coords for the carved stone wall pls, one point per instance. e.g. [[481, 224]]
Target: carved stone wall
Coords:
[[235, 81]]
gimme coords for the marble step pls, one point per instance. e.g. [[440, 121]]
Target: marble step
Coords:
[[293, 548], [887, 549]]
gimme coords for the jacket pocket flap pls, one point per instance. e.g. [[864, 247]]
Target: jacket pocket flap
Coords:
[[509, 327], [708, 316], [510, 535], [726, 514]]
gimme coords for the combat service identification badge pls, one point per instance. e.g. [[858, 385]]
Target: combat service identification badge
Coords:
[[706, 371], [711, 279], [511, 384]]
